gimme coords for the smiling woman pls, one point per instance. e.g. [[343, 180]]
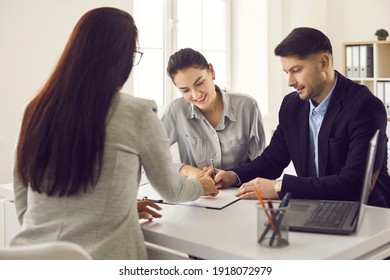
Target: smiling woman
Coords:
[[209, 124]]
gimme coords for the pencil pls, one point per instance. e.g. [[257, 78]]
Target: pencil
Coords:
[[270, 206], [265, 209]]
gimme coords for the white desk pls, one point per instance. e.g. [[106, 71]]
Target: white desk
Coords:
[[9, 224], [7, 191], [230, 233]]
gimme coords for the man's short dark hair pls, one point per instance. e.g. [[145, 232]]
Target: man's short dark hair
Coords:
[[302, 42]]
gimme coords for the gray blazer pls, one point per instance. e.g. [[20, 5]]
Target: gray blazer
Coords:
[[105, 220]]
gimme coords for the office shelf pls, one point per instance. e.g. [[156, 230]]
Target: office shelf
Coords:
[[380, 68]]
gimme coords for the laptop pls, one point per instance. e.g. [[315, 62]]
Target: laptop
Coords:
[[334, 217]]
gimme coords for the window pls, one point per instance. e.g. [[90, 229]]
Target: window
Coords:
[[168, 25]]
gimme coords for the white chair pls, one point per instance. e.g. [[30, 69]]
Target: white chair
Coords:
[[56, 250]]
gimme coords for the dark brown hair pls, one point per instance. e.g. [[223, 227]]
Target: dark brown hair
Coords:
[[185, 58], [303, 42], [61, 142]]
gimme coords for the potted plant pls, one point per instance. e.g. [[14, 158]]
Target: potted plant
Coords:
[[382, 34]]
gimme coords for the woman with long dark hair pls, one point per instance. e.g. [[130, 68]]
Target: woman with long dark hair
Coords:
[[82, 144]]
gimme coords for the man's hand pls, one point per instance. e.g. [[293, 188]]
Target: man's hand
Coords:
[[265, 186]]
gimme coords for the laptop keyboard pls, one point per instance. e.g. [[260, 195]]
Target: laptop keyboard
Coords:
[[330, 214]]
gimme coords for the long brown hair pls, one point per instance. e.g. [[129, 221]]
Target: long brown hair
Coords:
[[61, 142]]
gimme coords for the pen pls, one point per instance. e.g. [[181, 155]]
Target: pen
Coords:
[[285, 200], [279, 218], [212, 164], [270, 206], [153, 200]]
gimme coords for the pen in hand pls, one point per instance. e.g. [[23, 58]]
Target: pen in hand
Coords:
[[213, 166]]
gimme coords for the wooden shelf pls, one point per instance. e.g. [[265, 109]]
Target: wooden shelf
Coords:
[[380, 68]]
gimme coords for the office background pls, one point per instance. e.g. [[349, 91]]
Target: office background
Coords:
[[33, 34]]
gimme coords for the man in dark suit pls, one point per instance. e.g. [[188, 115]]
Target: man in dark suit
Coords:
[[325, 126]]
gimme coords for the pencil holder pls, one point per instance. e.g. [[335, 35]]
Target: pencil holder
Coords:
[[272, 225]]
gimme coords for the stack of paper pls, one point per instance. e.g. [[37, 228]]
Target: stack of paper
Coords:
[[223, 199]]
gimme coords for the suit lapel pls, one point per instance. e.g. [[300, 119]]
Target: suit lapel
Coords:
[[327, 124], [303, 132]]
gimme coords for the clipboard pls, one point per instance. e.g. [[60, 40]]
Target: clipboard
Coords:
[[224, 198]]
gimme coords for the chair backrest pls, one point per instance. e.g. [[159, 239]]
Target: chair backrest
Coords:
[[56, 250]]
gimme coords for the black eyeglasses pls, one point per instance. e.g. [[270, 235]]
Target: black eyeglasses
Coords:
[[137, 57]]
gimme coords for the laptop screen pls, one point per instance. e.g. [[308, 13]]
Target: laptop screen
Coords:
[[367, 181]]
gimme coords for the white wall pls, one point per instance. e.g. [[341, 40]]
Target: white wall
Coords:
[[33, 35], [26, 25], [249, 50], [340, 20], [355, 21], [257, 27]]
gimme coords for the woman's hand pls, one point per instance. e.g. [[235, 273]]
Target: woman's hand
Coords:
[[145, 210], [207, 181], [191, 171], [225, 179]]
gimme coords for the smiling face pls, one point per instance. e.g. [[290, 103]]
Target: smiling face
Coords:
[[308, 76], [197, 86]]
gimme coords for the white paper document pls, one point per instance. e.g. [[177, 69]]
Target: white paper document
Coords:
[[224, 198]]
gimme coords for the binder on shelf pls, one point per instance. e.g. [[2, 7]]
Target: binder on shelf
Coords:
[[380, 91], [355, 61], [366, 61], [387, 96], [348, 61], [370, 61]]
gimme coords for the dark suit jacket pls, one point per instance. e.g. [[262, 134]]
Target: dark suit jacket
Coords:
[[352, 117]]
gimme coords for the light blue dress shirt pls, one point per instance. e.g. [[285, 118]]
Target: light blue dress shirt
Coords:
[[316, 116]]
